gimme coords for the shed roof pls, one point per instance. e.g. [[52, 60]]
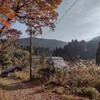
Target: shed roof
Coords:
[[58, 61], [8, 69]]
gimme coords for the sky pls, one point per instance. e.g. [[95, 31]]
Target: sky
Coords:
[[82, 22]]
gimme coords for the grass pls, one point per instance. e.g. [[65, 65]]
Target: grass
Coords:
[[78, 81], [84, 76], [8, 81]]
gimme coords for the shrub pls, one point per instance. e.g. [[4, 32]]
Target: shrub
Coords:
[[46, 72], [59, 90], [59, 76], [20, 57], [67, 97], [89, 92], [5, 58], [76, 90], [83, 77]]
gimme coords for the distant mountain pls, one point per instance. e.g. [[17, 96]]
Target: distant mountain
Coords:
[[94, 42], [45, 43], [78, 49], [92, 47], [96, 38]]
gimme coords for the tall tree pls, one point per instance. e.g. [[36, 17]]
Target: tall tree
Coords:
[[35, 14]]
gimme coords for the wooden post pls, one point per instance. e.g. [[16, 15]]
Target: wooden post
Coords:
[[30, 55], [30, 50]]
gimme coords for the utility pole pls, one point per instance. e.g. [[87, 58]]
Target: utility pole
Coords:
[[30, 72], [31, 32], [30, 50]]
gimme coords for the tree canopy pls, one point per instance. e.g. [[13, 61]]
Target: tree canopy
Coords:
[[33, 13]]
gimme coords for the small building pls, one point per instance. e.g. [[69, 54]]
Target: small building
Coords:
[[56, 62], [9, 71], [52, 61]]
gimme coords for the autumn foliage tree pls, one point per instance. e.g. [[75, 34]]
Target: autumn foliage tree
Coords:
[[33, 13]]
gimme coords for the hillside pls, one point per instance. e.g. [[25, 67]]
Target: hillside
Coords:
[[78, 49], [86, 50], [96, 38], [45, 43]]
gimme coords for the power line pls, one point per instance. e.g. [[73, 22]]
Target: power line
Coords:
[[67, 11], [42, 38], [59, 19]]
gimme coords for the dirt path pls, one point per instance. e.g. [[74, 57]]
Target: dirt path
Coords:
[[27, 91], [12, 89]]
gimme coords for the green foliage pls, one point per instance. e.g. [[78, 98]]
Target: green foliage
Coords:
[[5, 58], [89, 92], [67, 97], [75, 50], [59, 76], [19, 56], [76, 90], [41, 51], [46, 72], [59, 90]]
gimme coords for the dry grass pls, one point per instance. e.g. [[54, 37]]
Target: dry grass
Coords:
[[84, 76], [74, 82], [9, 81], [23, 75]]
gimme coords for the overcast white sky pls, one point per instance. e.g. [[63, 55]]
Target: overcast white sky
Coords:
[[82, 22]]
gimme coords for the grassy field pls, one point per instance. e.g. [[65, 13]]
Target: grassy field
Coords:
[[81, 81]]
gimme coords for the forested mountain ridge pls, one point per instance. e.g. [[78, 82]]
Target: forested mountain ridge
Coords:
[[69, 51], [78, 49], [38, 42], [96, 38]]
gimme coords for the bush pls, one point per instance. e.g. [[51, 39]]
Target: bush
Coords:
[[20, 57], [5, 58], [46, 72], [83, 77], [76, 90], [59, 90], [59, 76], [67, 97], [89, 92]]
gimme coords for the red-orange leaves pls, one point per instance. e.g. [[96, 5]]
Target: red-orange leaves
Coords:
[[12, 34], [34, 13], [10, 15], [0, 19], [6, 23]]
